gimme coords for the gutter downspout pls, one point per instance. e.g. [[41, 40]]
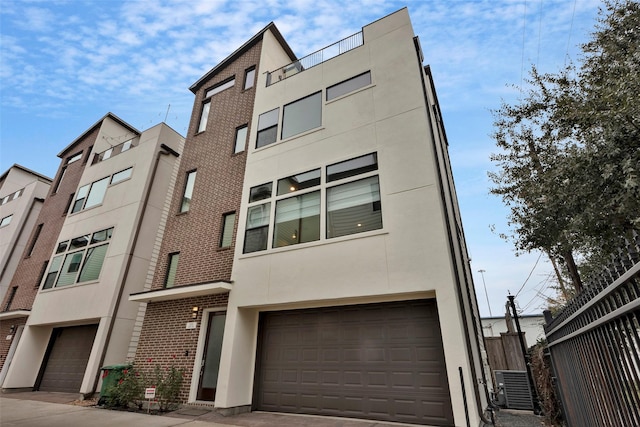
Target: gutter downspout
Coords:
[[166, 150], [450, 239]]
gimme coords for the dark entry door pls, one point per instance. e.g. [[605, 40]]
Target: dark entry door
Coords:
[[211, 356], [374, 361], [67, 359]]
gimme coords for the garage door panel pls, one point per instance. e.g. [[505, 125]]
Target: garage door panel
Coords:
[[67, 359], [378, 361]]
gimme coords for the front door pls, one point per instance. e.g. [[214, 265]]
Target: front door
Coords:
[[211, 357]]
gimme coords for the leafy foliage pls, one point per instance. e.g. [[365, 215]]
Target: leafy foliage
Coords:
[[569, 160]]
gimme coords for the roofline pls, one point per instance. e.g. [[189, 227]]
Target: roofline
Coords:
[[242, 49], [94, 126], [17, 166]]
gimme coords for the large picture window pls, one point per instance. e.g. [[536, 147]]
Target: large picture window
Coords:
[[302, 115], [78, 260], [349, 192], [349, 85]]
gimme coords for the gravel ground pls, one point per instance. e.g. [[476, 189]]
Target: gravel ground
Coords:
[[514, 418]]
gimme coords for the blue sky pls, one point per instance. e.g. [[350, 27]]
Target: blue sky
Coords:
[[64, 64]]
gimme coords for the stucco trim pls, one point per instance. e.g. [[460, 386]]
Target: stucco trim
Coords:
[[14, 314], [180, 292]]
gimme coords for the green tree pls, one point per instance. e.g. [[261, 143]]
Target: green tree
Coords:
[[569, 163]]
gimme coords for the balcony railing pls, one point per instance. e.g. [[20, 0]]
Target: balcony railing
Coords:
[[318, 57]]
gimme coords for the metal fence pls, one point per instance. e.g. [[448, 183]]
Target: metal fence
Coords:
[[316, 58], [595, 347]]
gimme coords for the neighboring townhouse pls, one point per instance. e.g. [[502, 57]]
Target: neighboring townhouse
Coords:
[[22, 194], [314, 260], [102, 219]]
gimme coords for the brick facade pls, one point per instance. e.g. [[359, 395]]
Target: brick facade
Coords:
[[52, 215], [195, 234], [165, 340], [218, 185], [5, 331]]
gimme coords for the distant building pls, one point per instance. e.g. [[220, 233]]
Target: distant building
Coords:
[[531, 324], [313, 259], [91, 248]]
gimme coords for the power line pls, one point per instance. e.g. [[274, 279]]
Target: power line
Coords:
[[530, 273], [573, 14]]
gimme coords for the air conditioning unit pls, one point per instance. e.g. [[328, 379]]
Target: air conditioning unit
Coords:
[[513, 390]]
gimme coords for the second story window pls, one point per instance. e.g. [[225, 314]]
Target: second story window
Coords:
[[78, 260], [172, 269], [185, 205]]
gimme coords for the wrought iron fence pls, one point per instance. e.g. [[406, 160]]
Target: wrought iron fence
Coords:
[[595, 347], [316, 58]]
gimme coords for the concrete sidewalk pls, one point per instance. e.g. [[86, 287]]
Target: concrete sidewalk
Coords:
[[63, 410]]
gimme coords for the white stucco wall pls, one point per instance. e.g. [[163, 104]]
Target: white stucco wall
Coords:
[[407, 259], [102, 300]]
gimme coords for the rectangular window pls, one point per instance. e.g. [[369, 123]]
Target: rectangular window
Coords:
[[5, 200], [78, 260], [347, 86], [257, 230], [352, 167], [297, 220], [126, 145], [81, 195], [74, 158], [228, 222], [241, 139], [354, 207], [221, 86], [53, 272], [6, 220], [43, 271], [17, 194], [68, 205], [36, 235], [302, 115], [249, 77], [55, 187], [96, 193], [267, 127], [172, 269], [188, 191], [298, 182], [204, 116], [260, 192], [121, 176], [350, 205], [93, 263], [107, 154]]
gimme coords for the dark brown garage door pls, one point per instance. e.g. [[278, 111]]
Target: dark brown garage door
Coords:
[[67, 358], [375, 361]]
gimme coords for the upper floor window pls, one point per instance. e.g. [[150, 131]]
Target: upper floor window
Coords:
[[185, 205], [6, 220], [351, 202], [350, 85], [249, 77], [228, 223], [302, 115], [204, 116], [78, 260], [59, 181], [121, 176], [12, 196], [90, 195], [74, 158], [221, 86], [241, 139], [36, 235], [267, 128]]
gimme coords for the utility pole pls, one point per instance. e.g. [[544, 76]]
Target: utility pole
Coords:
[[527, 360], [481, 271]]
